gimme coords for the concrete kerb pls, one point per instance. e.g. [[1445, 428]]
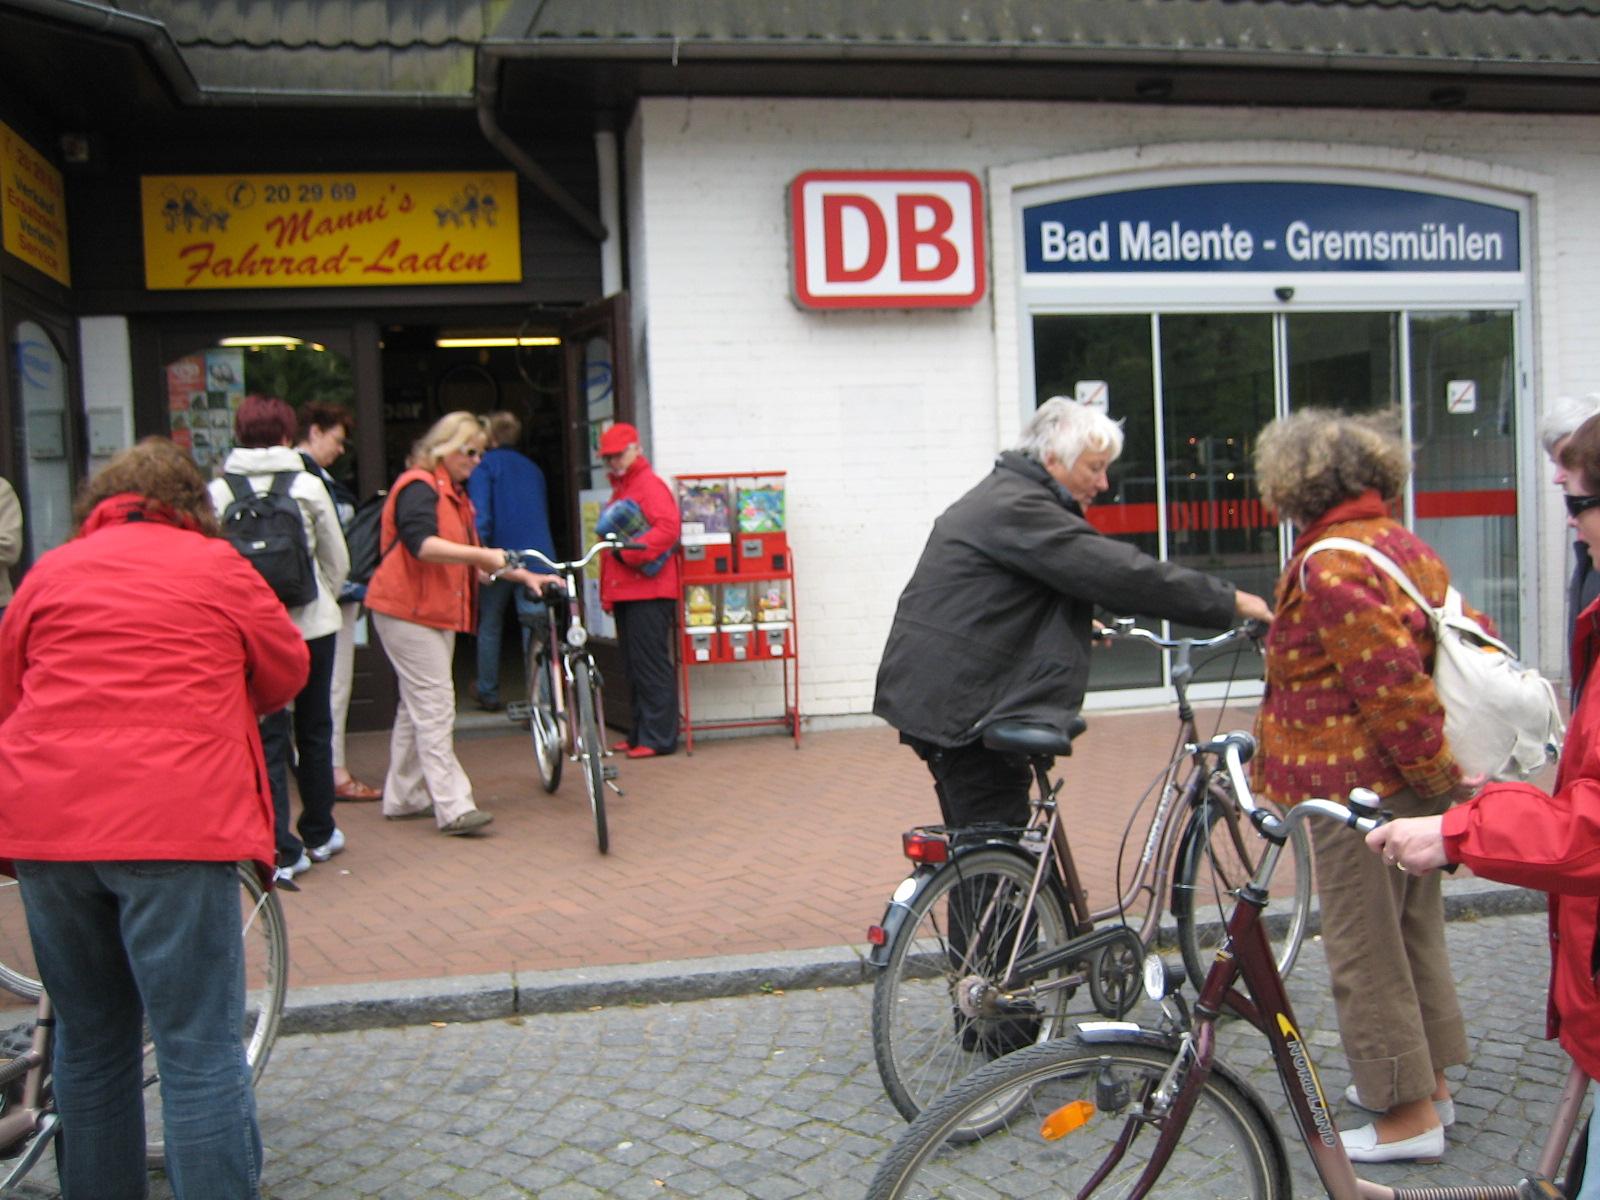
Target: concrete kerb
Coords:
[[342, 1007]]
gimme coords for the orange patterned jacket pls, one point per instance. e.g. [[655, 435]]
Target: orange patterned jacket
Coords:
[[1350, 701]]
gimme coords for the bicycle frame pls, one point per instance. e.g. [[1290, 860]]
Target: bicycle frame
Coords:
[[34, 1118], [1246, 953], [561, 642]]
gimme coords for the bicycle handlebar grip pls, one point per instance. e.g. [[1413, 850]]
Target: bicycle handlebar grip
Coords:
[[1256, 629]]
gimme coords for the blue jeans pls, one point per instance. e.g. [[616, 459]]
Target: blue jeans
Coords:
[[118, 941], [493, 598]]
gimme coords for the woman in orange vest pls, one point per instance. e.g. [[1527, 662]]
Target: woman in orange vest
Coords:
[[424, 592]]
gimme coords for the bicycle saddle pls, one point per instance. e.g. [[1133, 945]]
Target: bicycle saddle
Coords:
[[1025, 737]]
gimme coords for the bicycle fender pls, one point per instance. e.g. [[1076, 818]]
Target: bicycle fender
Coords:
[[894, 916]]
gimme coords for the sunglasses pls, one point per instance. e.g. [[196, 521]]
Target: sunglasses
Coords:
[[1577, 505]]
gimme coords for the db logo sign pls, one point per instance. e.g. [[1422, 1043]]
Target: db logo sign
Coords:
[[887, 239]]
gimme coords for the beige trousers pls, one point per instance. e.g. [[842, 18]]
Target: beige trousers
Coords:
[[1383, 931], [423, 768], [344, 670]]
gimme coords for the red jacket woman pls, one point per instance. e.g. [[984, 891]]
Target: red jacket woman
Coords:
[[185, 645]]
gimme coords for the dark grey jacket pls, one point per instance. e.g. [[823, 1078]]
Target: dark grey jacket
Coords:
[[997, 618]]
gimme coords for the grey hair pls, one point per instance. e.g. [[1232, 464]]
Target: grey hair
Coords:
[[1062, 429], [1563, 415]]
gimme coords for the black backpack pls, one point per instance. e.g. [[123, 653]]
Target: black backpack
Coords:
[[266, 527], [362, 535]]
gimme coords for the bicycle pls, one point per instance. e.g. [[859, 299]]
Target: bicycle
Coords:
[[564, 710], [983, 945], [1205, 1131], [28, 1120]]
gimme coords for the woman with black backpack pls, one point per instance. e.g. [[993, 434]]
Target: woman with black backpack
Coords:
[[324, 431]]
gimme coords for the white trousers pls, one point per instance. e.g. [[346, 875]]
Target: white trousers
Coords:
[[423, 768]]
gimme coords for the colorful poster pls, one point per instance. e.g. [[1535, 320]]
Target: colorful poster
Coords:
[[203, 393], [350, 230], [33, 207]]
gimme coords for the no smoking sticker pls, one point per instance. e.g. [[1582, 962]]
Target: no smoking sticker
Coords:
[[1094, 393], [1461, 396]]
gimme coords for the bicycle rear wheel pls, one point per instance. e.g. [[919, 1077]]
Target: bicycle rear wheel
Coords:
[[543, 688], [1218, 854], [590, 749], [936, 1013], [1229, 1149], [18, 974]]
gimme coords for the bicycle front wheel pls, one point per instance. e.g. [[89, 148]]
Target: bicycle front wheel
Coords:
[[937, 1012], [1219, 853], [1228, 1150], [543, 688], [590, 749]]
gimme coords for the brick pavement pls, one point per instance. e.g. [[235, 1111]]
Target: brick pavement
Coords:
[[747, 846]]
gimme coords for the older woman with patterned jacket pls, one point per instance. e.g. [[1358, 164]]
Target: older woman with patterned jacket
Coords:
[[1349, 703]]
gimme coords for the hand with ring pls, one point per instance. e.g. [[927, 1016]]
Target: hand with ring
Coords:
[[1412, 844]]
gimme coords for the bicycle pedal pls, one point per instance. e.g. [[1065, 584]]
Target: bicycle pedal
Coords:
[[608, 772], [519, 710]]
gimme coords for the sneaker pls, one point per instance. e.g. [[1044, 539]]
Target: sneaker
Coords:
[[299, 867], [467, 822], [326, 851]]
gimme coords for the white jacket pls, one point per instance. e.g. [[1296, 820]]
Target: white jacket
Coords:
[[323, 535]]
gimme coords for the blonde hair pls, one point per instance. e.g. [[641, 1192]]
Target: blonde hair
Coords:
[[1313, 459], [449, 433]]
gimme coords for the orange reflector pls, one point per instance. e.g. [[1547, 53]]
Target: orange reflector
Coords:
[[1065, 1119]]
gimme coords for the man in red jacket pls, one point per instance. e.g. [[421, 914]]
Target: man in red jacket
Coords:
[[645, 604]]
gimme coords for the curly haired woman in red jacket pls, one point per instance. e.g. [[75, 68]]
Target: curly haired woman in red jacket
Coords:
[[134, 662]]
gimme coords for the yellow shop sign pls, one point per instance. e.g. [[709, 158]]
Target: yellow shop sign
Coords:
[[350, 230], [33, 207]]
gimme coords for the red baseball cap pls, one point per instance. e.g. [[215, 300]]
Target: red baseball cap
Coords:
[[618, 438]]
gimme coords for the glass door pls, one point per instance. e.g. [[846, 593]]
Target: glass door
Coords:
[[1194, 390]]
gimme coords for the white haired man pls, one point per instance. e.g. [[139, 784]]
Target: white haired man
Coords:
[[998, 617]]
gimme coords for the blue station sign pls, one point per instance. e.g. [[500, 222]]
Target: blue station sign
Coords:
[[1269, 227]]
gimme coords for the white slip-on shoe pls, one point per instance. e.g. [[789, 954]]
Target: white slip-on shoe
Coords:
[[1362, 1145]]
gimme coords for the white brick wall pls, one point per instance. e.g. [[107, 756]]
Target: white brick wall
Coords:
[[883, 418]]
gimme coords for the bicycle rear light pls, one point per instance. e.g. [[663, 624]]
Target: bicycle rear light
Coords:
[[877, 935], [922, 847]]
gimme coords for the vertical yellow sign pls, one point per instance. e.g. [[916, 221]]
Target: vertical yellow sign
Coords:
[[33, 207]]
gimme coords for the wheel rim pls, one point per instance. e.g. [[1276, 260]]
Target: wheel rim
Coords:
[[936, 1016]]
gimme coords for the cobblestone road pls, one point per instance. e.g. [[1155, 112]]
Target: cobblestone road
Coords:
[[772, 1096]]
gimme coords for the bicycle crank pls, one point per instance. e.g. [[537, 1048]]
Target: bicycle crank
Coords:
[[609, 774]]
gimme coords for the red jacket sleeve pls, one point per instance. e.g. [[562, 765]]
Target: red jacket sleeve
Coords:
[[13, 646], [660, 508], [1515, 833], [277, 662]]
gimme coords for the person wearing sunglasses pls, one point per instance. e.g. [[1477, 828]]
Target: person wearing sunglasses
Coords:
[[423, 593], [1562, 417]]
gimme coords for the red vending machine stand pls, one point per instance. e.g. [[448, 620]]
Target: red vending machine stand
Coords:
[[738, 582]]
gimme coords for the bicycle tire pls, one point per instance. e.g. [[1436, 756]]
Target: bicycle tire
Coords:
[[1229, 1150], [590, 749], [922, 1038], [266, 962], [548, 752], [1210, 869], [18, 979]]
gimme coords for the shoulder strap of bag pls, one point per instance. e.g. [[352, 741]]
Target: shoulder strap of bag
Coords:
[[282, 481], [1449, 613], [1380, 559], [240, 487]]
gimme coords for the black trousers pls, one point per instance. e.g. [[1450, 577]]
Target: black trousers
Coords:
[[645, 630], [311, 752], [975, 784]]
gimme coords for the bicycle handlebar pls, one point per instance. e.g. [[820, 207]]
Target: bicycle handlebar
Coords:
[[1125, 628], [1236, 748], [609, 542]]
